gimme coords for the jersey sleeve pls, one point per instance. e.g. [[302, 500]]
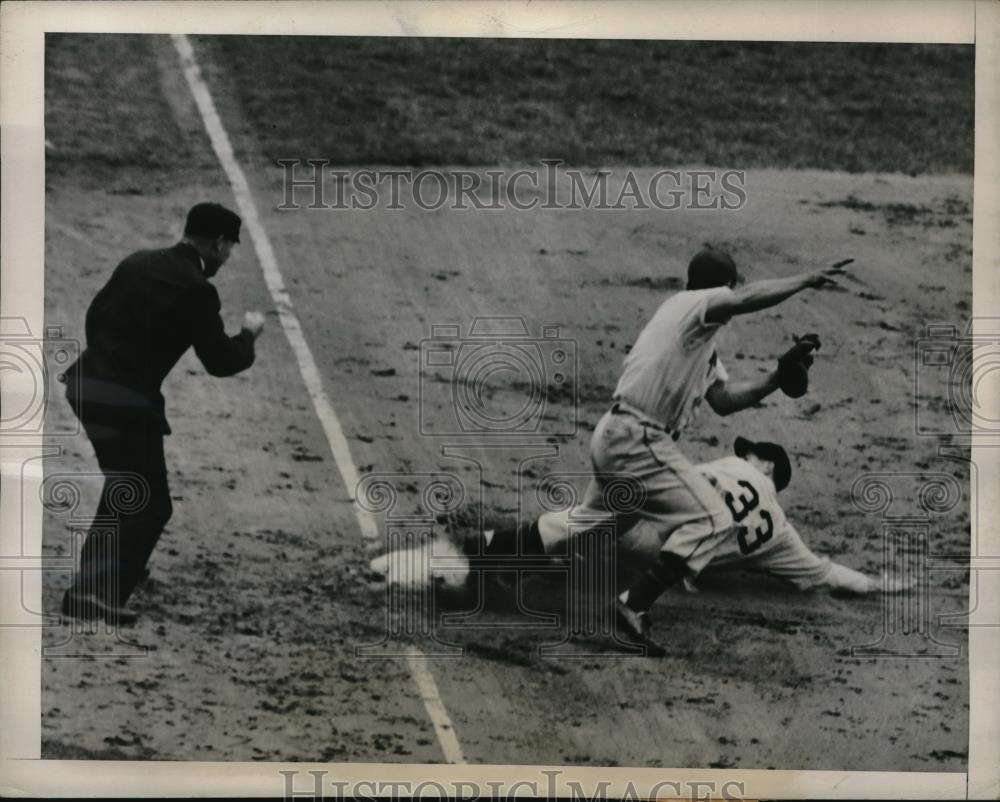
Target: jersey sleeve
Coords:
[[703, 303], [220, 354], [791, 559]]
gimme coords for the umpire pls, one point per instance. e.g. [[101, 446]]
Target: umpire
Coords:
[[156, 305]]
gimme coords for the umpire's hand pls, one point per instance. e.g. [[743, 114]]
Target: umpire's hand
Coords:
[[254, 323]]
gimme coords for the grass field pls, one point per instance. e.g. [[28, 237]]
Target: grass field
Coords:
[[885, 108]]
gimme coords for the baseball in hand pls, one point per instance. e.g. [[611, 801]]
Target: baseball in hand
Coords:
[[253, 322]]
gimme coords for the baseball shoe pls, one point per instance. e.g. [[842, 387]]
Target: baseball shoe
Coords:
[[87, 606], [634, 629]]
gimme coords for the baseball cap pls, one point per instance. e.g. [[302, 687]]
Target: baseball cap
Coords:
[[771, 452], [711, 267], [213, 220]]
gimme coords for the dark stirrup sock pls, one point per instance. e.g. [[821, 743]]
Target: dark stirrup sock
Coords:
[[667, 570], [505, 541]]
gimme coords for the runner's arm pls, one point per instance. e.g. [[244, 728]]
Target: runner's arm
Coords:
[[795, 561]]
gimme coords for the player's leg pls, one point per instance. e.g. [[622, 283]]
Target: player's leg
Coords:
[[551, 532], [689, 515], [615, 494], [620, 451], [522, 540], [623, 450]]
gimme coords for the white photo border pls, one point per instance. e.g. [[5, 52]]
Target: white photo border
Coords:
[[22, 29]]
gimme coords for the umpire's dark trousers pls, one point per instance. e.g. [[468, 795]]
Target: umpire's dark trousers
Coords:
[[135, 500]]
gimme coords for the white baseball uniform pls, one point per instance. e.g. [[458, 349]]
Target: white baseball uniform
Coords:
[[762, 539], [666, 375]]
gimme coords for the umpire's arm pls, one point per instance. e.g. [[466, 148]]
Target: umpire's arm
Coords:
[[220, 354]]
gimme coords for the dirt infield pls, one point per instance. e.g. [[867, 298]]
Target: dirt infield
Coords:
[[259, 594]]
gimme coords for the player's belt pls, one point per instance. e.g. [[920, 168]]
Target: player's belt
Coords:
[[621, 408]]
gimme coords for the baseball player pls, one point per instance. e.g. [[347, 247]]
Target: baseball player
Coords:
[[156, 305], [762, 539], [673, 365]]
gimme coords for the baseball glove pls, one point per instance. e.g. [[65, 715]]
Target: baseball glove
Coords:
[[793, 365]]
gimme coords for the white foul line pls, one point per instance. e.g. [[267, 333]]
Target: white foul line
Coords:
[[433, 704], [272, 277], [416, 660]]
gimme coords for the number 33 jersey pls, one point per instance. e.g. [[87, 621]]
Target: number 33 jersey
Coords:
[[762, 538]]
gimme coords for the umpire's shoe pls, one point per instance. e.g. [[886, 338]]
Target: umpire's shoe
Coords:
[[633, 629], [87, 606]]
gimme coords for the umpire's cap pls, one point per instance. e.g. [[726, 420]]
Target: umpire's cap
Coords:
[[213, 220], [711, 267], [771, 452]]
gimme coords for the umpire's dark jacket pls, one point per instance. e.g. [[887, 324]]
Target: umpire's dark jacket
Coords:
[[154, 307]]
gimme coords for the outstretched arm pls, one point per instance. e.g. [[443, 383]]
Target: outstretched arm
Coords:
[[794, 561], [847, 581], [726, 397], [843, 580], [770, 292]]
